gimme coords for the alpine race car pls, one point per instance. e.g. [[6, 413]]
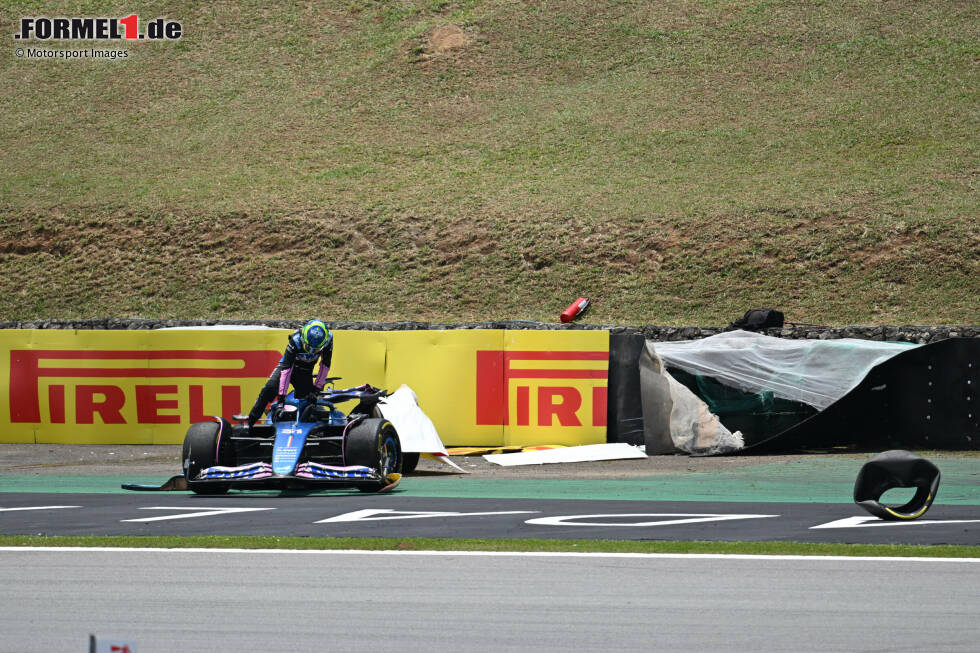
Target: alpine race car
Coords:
[[301, 444]]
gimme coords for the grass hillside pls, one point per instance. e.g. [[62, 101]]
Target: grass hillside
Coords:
[[678, 162]]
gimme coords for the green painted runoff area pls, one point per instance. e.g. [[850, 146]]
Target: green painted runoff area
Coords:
[[818, 480]]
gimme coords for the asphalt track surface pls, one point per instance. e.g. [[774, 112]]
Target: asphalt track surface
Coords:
[[445, 601], [186, 600], [784, 498], [353, 514]]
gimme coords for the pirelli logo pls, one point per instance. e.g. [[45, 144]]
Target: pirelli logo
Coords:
[[541, 388], [110, 384]]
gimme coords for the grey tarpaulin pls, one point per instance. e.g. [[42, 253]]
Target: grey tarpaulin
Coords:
[[814, 372], [925, 397], [920, 396], [674, 418], [646, 406]]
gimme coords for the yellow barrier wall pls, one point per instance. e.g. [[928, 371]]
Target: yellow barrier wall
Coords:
[[555, 383], [441, 367], [479, 387], [138, 387]]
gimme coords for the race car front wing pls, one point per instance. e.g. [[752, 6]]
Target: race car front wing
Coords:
[[309, 471]]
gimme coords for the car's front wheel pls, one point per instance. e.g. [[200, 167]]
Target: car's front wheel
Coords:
[[374, 443], [206, 445]]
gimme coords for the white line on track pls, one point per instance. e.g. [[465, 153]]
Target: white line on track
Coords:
[[491, 554], [36, 508]]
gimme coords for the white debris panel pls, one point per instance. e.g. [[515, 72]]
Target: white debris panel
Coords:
[[814, 372], [580, 454], [416, 432]]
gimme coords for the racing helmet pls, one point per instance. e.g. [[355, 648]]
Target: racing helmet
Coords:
[[314, 336]]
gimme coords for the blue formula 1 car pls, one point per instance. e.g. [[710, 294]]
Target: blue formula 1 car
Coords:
[[301, 444]]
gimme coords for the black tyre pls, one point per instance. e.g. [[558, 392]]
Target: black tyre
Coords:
[[201, 450], [374, 443], [409, 461]]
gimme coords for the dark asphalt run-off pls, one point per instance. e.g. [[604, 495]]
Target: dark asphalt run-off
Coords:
[[344, 514]]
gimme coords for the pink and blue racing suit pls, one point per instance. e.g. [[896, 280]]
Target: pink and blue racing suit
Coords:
[[296, 367]]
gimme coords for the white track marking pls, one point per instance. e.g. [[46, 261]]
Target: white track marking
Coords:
[[201, 512], [381, 514], [487, 554], [867, 522], [685, 518], [37, 508]]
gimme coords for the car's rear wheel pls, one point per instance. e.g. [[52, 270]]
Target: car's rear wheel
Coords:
[[374, 443], [206, 444]]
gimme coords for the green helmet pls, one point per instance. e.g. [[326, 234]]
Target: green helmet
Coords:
[[315, 336]]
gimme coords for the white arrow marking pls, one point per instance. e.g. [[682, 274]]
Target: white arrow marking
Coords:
[[686, 518], [206, 512], [37, 508], [381, 514], [866, 522]]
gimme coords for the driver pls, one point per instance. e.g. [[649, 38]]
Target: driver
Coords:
[[311, 342]]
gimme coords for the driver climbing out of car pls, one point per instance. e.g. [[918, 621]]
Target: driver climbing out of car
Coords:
[[304, 347]]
